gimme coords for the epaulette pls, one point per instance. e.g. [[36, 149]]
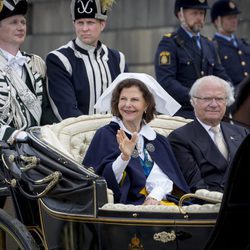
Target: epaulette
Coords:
[[169, 35], [38, 65]]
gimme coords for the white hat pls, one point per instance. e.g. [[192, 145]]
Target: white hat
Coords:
[[165, 104]]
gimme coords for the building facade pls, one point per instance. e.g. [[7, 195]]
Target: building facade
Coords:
[[134, 26]]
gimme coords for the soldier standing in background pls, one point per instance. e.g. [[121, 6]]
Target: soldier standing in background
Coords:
[[233, 51], [185, 55]]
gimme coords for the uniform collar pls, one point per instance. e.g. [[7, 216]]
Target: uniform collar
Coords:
[[227, 38], [190, 34], [87, 47], [9, 56]]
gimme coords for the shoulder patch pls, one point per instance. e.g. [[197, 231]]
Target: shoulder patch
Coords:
[[164, 58]]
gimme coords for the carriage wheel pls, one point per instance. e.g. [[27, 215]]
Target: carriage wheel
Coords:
[[13, 234]]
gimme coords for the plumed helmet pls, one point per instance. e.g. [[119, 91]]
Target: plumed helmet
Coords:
[[90, 9], [190, 4], [223, 8], [10, 8]]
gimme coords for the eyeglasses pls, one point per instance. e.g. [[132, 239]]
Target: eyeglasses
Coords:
[[208, 100]]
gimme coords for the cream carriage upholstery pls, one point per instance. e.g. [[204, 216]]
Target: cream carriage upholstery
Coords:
[[72, 137]]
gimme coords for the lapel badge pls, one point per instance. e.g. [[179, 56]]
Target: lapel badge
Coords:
[[150, 147]]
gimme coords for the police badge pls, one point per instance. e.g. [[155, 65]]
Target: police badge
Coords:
[[232, 5]]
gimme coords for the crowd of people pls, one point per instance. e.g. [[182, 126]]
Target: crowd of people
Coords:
[[195, 78]]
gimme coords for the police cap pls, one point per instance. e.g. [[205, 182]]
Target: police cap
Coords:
[[12, 7], [223, 8], [190, 4]]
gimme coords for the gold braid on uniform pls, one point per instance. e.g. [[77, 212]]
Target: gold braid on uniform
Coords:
[[38, 65]]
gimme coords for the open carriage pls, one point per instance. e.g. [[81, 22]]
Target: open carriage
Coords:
[[65, 205]]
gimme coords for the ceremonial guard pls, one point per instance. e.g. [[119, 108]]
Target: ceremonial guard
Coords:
[[184, 56], [23, 98], [81, 70], [234, 52]]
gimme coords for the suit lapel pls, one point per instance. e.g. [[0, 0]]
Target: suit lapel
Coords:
[[232, 139], [209, 150]]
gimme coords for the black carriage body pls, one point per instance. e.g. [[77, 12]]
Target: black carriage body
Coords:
[[124, 230], [72, 217]]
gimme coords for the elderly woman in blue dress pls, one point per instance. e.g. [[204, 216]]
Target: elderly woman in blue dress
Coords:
[[137, 163]]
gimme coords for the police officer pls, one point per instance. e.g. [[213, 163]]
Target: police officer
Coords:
[[234, 52], [186, 55]]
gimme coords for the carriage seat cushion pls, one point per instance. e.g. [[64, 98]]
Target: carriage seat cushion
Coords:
[[72, 136]]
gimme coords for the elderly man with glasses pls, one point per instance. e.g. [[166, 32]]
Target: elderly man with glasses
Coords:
[[205, 147]]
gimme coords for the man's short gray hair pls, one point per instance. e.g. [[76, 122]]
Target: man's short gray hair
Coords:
[[229, 89]]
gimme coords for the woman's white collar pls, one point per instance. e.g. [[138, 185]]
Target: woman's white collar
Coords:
[[146, 131]]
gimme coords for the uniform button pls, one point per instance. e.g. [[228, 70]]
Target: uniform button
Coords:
[[240, 52], [243, 63], [8, 114], [8, 88], [225, 57], [188, 63], [202, 73], [212, 64], [245, 74]]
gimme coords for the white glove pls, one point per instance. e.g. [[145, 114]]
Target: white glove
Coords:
[[22, 135]]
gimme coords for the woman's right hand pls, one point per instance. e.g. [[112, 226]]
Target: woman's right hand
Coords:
[[126, 145]]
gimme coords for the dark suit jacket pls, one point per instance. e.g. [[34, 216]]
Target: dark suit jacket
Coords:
[[201, 162]]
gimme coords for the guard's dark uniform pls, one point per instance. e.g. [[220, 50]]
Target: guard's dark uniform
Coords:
[[235, 60], [234, 57], [179, 62]]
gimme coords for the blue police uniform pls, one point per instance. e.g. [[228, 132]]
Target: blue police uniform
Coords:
[[179, 62], [235, 59]]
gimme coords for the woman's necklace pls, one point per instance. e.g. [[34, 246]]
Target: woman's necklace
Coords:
[[138, 149]]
